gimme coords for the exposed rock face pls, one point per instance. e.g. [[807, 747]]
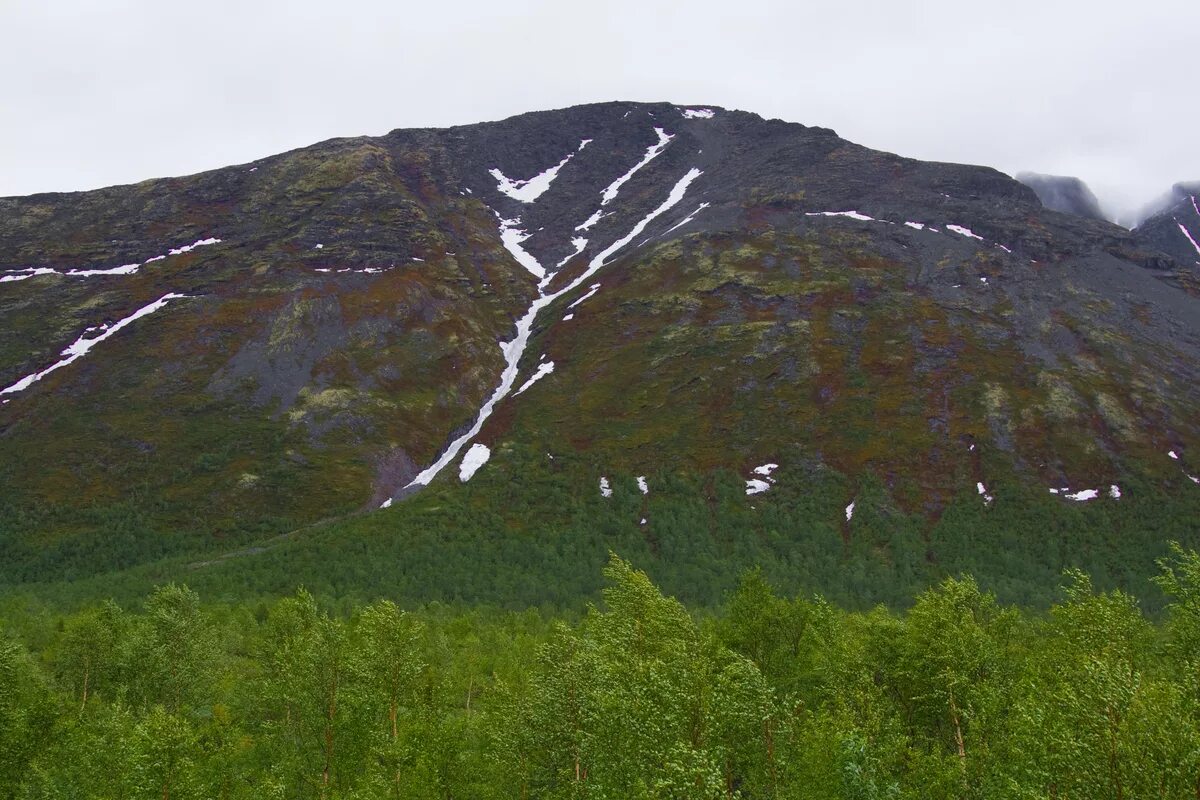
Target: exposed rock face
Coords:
[[1066, 194], [1175, 228], [706, 283]]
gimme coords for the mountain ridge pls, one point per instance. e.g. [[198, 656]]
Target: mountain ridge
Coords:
[[930, 326]]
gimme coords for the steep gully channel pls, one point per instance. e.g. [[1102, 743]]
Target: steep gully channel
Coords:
[[512, 236]]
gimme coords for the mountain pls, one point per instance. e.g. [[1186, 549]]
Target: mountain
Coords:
[[1066, 194], [1175, 227], [701, 338]]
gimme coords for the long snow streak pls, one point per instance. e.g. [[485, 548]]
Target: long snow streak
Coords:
[[1195, 207], [609, 194], [512, 236], [1185, 232], [686, 219], [80, 347], [535, 187], [126, 269], [514, 349]]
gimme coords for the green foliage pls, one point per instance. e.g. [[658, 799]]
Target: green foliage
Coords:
[[959, 697]]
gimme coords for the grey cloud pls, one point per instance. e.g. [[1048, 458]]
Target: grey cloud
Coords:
[[97, 94]]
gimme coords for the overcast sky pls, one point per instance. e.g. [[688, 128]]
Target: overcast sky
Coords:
[[97, 93]]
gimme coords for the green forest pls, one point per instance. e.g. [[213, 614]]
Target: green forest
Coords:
[[638, 696]]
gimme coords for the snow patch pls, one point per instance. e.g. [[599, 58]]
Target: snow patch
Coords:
[[187, 248], [592, 220], [850, 512], [475, 458], [511, 235], [568, 318], [542, 371], [983, 492], [1185, 232], [605, 488], [610, 193], [584, 144], [850, 214], [80, 347], [579, 243], [756, 486], [765, 470], [1114, 492], [1174, 456], [686, 219], [641, 482], [529, 190], [698, 113], [918, 225], [1083, 496], [964, 232], [595, 287]]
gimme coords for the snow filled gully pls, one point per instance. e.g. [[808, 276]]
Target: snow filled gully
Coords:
[[513, 350], [80, 347]]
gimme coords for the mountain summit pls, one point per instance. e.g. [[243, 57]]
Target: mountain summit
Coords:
[[744, 311]]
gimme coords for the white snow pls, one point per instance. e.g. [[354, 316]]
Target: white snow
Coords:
[[542, 371], [918, 225], [698, 113], [605, 488], [849, 512], [595, 287], [641, 482], [674, 197], [22, 274], [532, 189], [579, 243], [686, 219], [318, 246], [80, 347], [386, 503], [511, 235], [643, 522], [983, 492], [513, 349], [850, 214], [1184, 231], [568, 318], [475, 458], [1082, 496], [1193, 479], [1114, 492], [983, 280], [765, 470], [125, 269], [756, 486], [592, 220], [610, 193], [1054, 491], [964, 231], [1173, 455], [584, 144], [1002, 247], [187, 248]]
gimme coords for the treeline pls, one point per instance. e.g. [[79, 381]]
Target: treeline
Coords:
[[542, 541], [959, 697]]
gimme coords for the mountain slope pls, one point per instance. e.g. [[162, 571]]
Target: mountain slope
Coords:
[[1066, 194], [687, 293]]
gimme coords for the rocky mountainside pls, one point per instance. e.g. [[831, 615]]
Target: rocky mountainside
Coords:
[[1066, 194], [575, 299], [1175, 229]]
